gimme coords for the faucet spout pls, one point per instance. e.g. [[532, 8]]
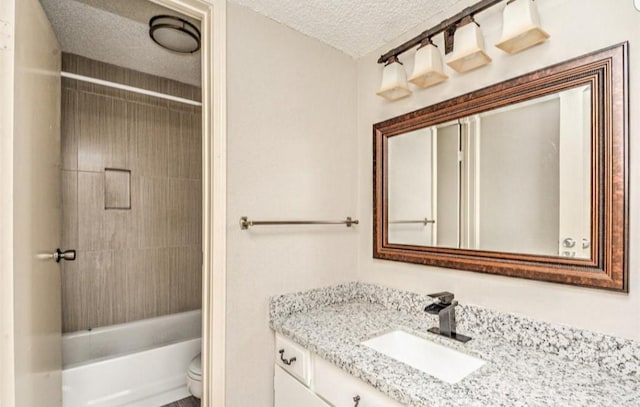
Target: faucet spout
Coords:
[[447, 319], [445, 307]]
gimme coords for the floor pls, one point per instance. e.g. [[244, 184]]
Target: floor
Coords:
[[188, 402]]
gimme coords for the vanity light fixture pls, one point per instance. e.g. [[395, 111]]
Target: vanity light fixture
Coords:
[[521, 27], [427, 70], [464, 41], [394, 81], [468, 49], [175, 34]]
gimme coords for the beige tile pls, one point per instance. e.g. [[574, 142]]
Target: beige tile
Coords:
[[98, 228], [184, 216], [103, 141], [154, 215], [146, 276], [185, 147], [87, 291], [162, 274], [119, 282], [120, 229], [194, 127], [179, 89], [72, 297], [99, 70], [96, 276], [186, 278], [148, 126], [69, 62], [67, 83], [69, 209], [96, 69], [117, 189], [145, 81], [146, 261], [68, 129], [91, 211]]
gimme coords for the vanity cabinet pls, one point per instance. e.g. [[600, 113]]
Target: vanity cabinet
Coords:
[[291, 393], [309, 380]]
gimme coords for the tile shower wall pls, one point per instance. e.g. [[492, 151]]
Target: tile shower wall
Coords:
[[144, 261]]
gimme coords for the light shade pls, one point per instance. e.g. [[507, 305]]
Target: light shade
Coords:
[[175, 34], [427, 70], [394, 81], [468, 49], [521, 27]]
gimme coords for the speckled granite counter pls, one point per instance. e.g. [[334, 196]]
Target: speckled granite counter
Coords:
[[529, 363]]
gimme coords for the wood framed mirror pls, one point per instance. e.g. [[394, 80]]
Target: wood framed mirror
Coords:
[[526, 178]]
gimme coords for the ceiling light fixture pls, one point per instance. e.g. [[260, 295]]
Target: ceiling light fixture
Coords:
[[175, 34], [521, 30]]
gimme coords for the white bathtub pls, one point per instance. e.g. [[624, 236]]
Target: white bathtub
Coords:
[[138, 364]]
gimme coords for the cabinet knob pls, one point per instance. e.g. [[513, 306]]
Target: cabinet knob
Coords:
[[356, 400], [287, 362]]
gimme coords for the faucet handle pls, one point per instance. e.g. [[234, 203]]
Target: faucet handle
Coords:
[[444, 298]]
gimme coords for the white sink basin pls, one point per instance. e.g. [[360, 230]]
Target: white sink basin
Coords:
[[436, 360]]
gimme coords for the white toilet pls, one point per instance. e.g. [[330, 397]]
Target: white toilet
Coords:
[[194, 377]]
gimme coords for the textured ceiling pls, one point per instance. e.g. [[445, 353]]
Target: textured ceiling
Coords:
[[356, 27], [116, 32]]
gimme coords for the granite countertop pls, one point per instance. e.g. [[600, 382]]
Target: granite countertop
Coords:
[[529, 363]]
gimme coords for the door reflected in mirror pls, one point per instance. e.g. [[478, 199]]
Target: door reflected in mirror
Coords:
[[515, 179]]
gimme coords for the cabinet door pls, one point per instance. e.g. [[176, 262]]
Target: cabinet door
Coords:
[[343, 390], [291, 393]]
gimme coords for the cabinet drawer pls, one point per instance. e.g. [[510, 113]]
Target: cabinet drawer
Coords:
[[293, 358], [342, 390], [291, 393]]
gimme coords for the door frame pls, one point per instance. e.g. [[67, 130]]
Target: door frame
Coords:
[[7, 41], [212, 14]]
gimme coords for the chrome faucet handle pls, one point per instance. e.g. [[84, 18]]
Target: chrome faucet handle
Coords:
[[444, 297]]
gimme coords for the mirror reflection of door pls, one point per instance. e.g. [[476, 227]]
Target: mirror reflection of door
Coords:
[[575, 173], [411, 187]]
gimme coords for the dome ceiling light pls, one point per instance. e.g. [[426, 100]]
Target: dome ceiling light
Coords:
[[175, 34]]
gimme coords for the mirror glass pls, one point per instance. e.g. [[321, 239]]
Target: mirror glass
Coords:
[[516, 179]]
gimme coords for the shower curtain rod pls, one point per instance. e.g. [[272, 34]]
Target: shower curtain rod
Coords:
[[129, 88]]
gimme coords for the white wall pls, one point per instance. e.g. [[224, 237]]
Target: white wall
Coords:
[[292, 145], [577, 27]]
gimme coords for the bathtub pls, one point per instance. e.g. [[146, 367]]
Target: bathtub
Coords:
[[138, 364]]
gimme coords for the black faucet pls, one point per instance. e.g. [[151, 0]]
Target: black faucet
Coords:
[[445, 307]]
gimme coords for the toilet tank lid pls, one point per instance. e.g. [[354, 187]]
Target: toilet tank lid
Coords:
[[196, 365]]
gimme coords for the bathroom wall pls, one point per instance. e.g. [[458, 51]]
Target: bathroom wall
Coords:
[[138, 233], [576, 27], [292, 154]]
